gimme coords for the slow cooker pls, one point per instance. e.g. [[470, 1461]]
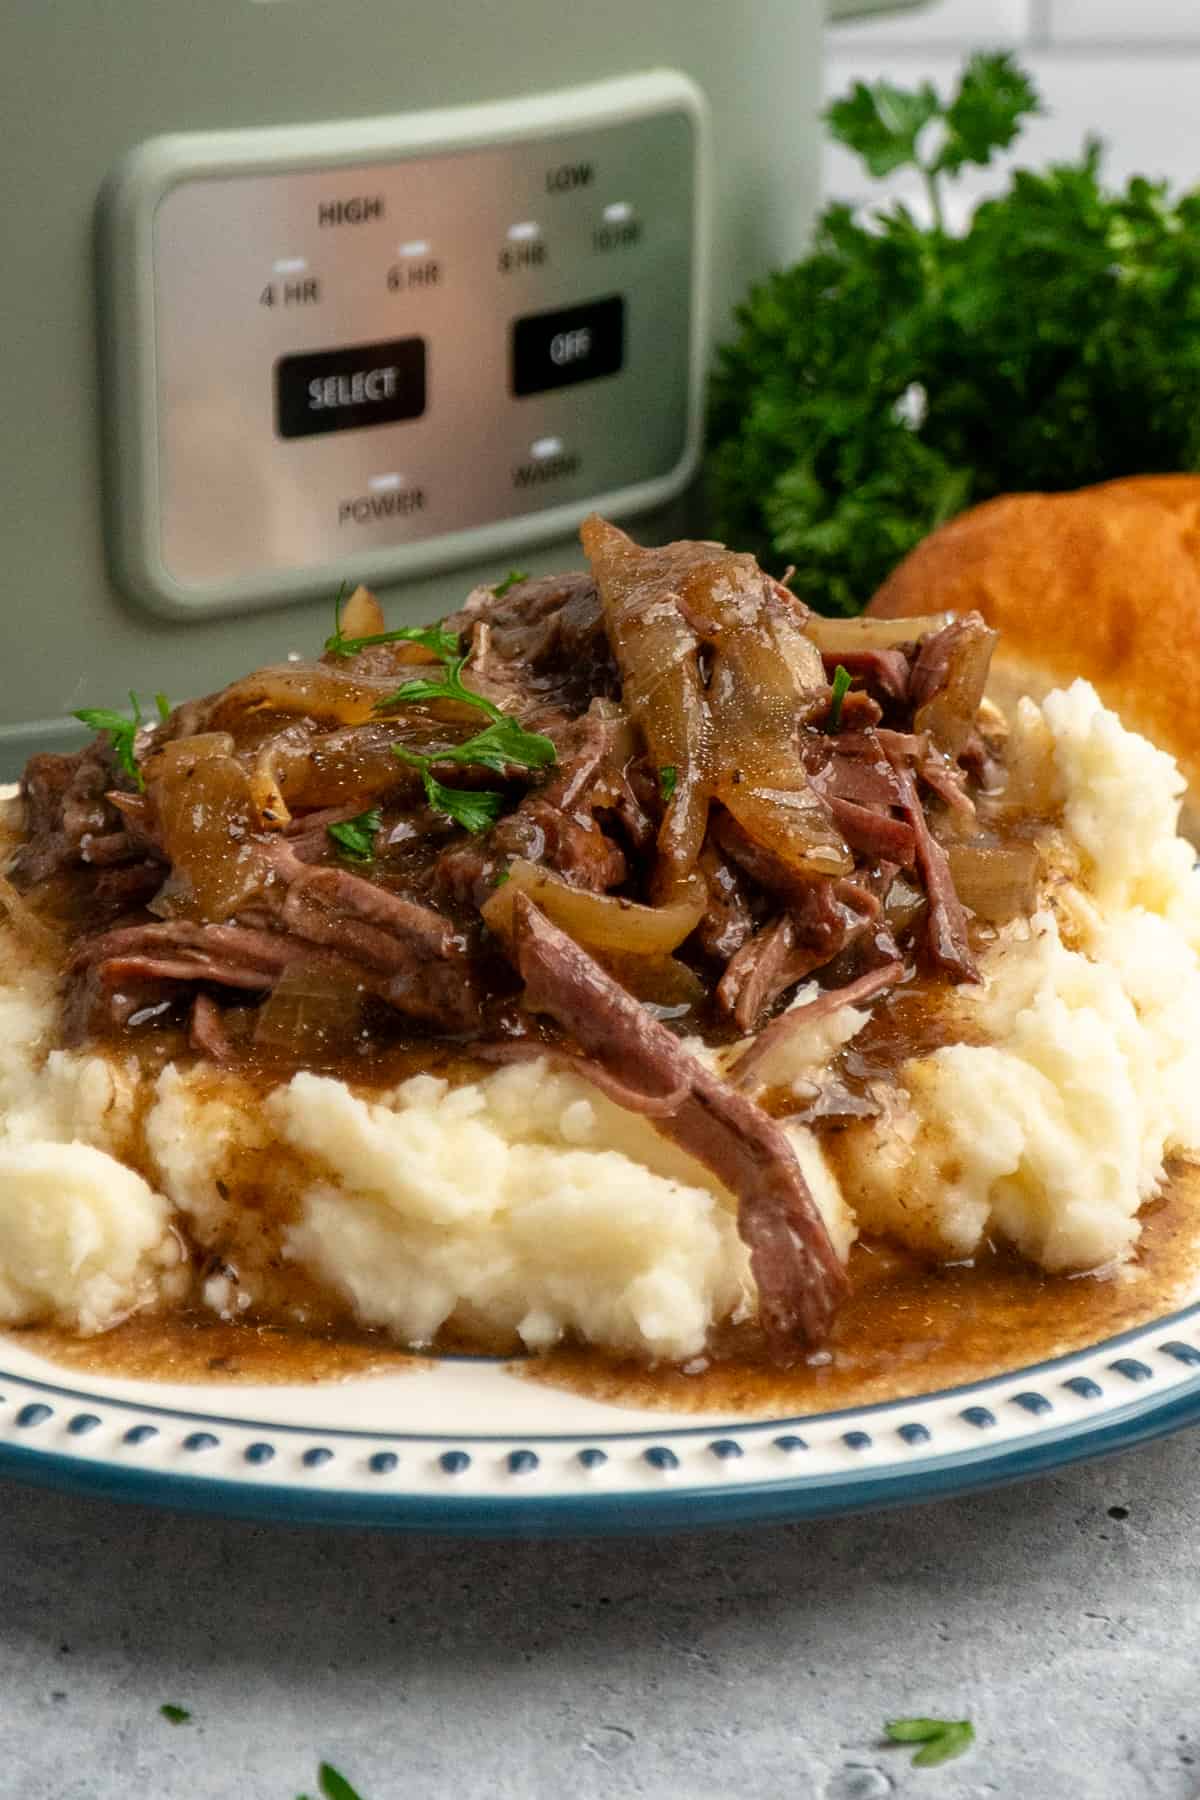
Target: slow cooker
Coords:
[[304, 293]]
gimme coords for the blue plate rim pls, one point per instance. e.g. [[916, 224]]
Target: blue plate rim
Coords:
[[743, 1424], [793, 1497]]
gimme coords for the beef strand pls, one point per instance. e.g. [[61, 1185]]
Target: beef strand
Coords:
[[799, 1278]]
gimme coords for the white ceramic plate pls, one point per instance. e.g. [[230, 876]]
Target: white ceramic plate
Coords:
[[467, 1445]]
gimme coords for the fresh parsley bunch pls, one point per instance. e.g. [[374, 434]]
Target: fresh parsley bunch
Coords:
[[901, 372]]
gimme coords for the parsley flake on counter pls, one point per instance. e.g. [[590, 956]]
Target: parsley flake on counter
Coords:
[[122, 734], [511, 580], [941, 1739], [175, 1715], [355, 838], [668, 781], [334, 1786], [841, 687]]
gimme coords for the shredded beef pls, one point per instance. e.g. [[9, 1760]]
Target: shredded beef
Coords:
[[800, 1281], [697, 764]]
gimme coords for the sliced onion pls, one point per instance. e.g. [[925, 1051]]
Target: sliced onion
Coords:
[[791, 820], [903, 905], [997, 882], [598, 921], [314, 1011], [352, 763], [24, 920], [836, 636], [362, 615], [310, 690], [662, 983], [949, 714], [206, 814], [1033, 788]]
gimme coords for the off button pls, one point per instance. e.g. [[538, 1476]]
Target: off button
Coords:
[[575, 343], [344, 390]]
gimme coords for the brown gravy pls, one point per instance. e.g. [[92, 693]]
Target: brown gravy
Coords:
[[907, 1329]]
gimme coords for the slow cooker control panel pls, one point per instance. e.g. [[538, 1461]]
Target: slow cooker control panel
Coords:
[[382, 347]]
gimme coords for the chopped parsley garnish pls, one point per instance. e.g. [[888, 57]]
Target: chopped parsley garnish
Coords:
[[500, 877], [164, 707], [475, 809], [447, 686], [355, 838], [501, 744], [841, 687], [941, 1739], [122, 733], [511, 580], [175, 1715], [668, 781], [443, 643]]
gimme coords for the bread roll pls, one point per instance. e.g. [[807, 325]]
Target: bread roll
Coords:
[[1103, 583]]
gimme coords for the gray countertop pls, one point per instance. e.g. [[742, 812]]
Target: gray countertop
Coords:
[[1061, 1617]]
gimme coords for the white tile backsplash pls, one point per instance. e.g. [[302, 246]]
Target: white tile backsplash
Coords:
[[1145, 107], [946, 22], [1122, 21]]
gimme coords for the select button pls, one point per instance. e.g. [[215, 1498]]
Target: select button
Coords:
[[575, 343], [343, 390]]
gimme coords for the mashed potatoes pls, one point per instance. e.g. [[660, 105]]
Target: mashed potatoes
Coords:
[[528, 1203]]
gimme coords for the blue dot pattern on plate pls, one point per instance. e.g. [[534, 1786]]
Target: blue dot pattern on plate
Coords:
[[383, 1462], [724, 1449], [522, 1462], [856, 1440], [455, 1462], [34, 1414], [789, 1443], [1032, 1402], [1085, 1387], [660, 1457], [317, 1457], [201, 1440], [259, 1453], [592, 1458], [1184, 1353], [979, 1416], [914, 1433], [1132, 1369], [82, 1423], [141, 1434]]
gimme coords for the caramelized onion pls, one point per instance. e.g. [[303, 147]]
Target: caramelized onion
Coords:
[[664, 985], [1033, 788], [737, 739], [24, 920], [963, 655], [314, 1011], [204, 805], [309, 690], [790, 820], [659, 657], [600, 922], [362, 615], [997, 882], [835, 637], [355, 763]]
